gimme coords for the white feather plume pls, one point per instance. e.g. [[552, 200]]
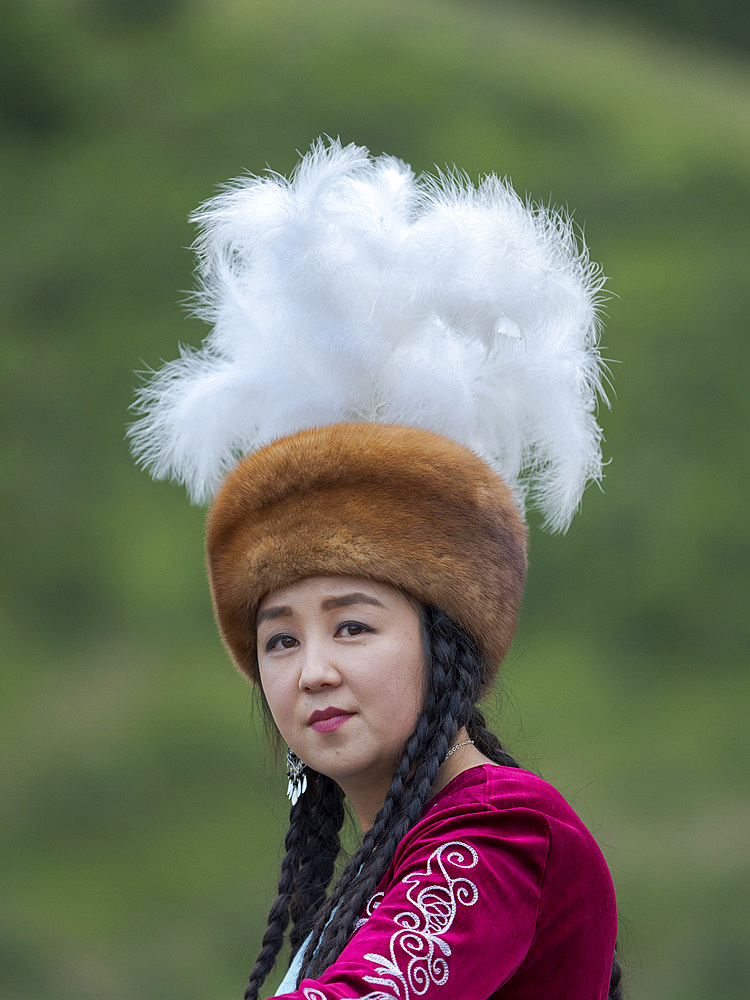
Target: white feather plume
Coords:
[[355, 291]]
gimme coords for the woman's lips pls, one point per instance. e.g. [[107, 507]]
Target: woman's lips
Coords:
[[331, 722]]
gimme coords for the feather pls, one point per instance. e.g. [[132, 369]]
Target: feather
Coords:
[[356, 291]]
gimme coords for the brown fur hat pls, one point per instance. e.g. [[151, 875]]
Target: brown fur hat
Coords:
[[395, 504]]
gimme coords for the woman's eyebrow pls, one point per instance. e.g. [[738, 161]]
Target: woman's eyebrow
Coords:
[[280, 611], [277, 612], [346, 599]]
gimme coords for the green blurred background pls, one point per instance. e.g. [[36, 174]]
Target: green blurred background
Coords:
[[141, 806]]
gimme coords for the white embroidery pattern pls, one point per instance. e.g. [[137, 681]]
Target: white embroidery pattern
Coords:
[[419, 938]]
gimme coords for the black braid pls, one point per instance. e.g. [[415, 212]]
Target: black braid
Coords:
[[486, 741], [278, 916], [615, 980], [312, 845], [323, 820]]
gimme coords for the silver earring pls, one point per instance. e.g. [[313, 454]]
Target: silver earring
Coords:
[[295, 772]]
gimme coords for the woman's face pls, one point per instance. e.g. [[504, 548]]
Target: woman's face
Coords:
[[342, 667]]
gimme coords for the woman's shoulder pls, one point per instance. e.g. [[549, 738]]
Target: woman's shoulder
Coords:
[[509, 821], [492, 796], [496, 787]]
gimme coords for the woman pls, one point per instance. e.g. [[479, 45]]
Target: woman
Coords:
[[373, 336]]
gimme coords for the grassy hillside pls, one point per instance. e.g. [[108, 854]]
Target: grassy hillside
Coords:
[[141, 808]]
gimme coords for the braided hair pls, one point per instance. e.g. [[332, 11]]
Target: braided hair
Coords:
[[312, 845], [455, 668]]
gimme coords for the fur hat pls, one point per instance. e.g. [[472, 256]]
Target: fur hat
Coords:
[[397, 363], [394, 504]]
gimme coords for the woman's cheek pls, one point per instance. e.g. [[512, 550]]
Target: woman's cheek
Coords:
[[277, 698]]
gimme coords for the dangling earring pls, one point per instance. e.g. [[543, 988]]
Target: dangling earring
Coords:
[[295, 772]]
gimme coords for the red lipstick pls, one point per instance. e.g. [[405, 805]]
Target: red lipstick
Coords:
[[328, 719]]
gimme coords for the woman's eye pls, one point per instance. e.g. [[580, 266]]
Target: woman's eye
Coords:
[[353, 629], [281, 642]]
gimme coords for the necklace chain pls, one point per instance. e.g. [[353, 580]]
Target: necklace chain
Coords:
[[453, 749]]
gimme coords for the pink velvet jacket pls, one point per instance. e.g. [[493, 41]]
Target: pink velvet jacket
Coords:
[[499, 891]]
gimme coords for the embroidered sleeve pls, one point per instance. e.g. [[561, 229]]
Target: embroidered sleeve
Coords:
[[455, 916]]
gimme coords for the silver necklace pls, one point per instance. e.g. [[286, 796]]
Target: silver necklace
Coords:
[[453, 749]]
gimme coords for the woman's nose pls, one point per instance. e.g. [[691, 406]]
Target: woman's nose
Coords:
[[319, 668]]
